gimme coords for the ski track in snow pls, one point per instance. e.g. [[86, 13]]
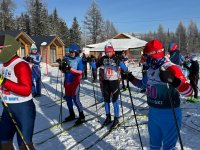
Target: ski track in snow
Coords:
[[83, 136]]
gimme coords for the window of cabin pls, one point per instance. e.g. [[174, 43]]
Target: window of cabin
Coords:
[[22, 52], [52, 55]]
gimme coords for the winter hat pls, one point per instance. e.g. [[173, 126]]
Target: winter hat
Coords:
[[74, 48], [193, 58], [9, 47], [172, 47], [109, 48], [67, 49], [154, 49], [33, 47]]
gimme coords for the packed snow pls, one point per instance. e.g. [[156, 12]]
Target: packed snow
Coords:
[[90, 135]]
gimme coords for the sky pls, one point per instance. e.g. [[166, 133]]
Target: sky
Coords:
[[138, 16]]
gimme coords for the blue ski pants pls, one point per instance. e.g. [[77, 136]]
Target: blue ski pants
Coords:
[[24, 115], [36, 81], [162, 128]]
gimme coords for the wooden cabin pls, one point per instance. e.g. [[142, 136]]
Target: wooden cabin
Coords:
[[23, 39], [53, 49]]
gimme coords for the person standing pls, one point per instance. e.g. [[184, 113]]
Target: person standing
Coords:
[[94, 70], [186, 62], [34, 60], [193, 77], [111, 67], [123, 75], [15, 81], [164, 82], [101, 77], [72, 67], [175, 56]]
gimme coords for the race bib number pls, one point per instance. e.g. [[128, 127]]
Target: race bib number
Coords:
[[152, 92], [109, 72]]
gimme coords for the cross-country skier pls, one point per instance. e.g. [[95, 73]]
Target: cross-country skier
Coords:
[[164, 81], [72, 67], [15, 81], [193, 77], [186, 63], [175, 56], [101, 77], [34, 60], [123, 75], [111, 65], [94, 70]]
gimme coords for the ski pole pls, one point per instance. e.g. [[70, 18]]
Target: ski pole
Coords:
[[14, 121], [95, 98], [120, 94], [133, 108], [175, 118], [60, 114], [57, 83]]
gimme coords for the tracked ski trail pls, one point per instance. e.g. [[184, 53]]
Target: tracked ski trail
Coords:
[[61, 123], [98, 129], [65, 130], [110, 130]]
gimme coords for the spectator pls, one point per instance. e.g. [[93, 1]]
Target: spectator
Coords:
[[15, 82]]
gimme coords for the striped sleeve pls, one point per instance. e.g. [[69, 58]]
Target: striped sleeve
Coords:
[[185, 89]]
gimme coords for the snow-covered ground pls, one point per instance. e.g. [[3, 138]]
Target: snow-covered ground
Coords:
[[90, 135]]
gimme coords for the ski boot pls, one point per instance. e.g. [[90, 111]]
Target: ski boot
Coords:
[[108, 120], [192, 100], [71, 116], [115, 123], [81, 118]]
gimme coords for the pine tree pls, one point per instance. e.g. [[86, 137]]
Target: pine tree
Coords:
[[75, 32], [54, 23], [161, 35], [23, 23], [93, 22], [39, 18], [6, 15], [63, 32], [193, 37], [181, 37], [109, 30]]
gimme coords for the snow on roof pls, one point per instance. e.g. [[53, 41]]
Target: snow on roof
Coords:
[[120, 42]]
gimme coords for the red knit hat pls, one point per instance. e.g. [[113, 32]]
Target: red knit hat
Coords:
[[154, 49], [109, 48]]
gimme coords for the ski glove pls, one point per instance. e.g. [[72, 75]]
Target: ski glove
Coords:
[[64, 65], [68, 67], [168, 77], [28, 59], [2, 79]]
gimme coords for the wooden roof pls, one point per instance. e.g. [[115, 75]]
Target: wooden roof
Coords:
[[19, 35], [49, 39]]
